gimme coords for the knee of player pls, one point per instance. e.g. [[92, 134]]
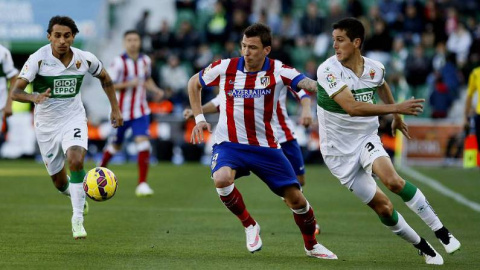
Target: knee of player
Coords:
[[222, 179], [295, 200], [394, 183], [75, 163], [384, 209]]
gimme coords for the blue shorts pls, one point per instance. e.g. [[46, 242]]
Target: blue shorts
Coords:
[[292, 151], [139, 128], [269, 164]]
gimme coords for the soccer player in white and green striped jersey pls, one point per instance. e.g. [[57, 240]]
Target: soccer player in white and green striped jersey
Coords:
[[350, 145], [56, 72]]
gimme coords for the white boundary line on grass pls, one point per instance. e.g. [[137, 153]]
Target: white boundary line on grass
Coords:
[[441, 188]]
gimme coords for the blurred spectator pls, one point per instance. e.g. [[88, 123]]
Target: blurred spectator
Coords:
[[239, 23], [301, 52], [311, 69], [459, 42], [203, 58], [354, 8], [389, 10], [398, 58], [290, 29], [186, 5], [379, 45], [175, 78], [278, 51], [141, 27], [187, 40], [230, 50], [311, 23], [451, 21], [336, 13], [440, 57], [272, 20], [439, 100], [417, 68], [412, 24], [272, 8], [161, 41], [243, 5], [434, 20], [217, 25]]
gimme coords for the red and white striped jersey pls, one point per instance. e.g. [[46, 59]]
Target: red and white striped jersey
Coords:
[[133, 100], [284, 126], [248, 100]]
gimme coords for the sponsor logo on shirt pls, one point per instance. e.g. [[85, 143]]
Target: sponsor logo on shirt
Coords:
[[364, 97], [64, 86], [249, 93], [332, 80]]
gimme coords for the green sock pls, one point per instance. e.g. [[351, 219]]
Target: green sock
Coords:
[[77, 177], [390, 221], [408, 191]]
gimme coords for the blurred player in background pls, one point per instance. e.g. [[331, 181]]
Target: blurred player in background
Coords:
[[244, 138], [473, 87], [131, 74], [56, 71], [7, 72], [350, 145]]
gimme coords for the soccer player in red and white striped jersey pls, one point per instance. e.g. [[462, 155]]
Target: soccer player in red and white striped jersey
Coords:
[[245, 140], [131, 74]]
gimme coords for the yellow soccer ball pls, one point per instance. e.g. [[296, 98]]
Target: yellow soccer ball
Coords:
[[100, 184]]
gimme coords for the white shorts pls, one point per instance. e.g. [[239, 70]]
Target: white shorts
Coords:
[[355, 171], [54, 142]]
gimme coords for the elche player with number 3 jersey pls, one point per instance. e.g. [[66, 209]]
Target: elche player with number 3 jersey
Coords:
[[350, 146], [245, 138], [56, 72]]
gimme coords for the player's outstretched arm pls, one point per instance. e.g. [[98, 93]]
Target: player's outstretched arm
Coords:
[[345, 99], [116, 117], [8, 107], [195, 96], [207, 108], [308, 84], [306, 118], [19, 94]]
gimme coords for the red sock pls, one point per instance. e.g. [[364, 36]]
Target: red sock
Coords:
[[106, 158], [306, 222], [143, 162], [234, 203]]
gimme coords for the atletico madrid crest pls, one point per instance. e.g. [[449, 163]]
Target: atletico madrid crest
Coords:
[[265, 81], [372, 73]]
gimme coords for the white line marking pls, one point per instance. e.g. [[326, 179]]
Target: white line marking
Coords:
[[441, 188]]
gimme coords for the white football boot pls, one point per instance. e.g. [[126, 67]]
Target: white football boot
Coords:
[[430, 255], [254, 242], [78, 230], [452, 245], [143, 190], [321, 252]]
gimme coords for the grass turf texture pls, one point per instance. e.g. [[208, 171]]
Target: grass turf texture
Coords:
[[185, 226]]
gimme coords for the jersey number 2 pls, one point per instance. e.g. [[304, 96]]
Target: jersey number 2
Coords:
[[77, 133]]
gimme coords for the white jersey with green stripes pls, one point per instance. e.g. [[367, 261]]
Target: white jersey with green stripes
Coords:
[[44, 71], [340, 133]]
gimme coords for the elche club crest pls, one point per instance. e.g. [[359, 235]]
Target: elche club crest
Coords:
[[372, 73], [78, 64]]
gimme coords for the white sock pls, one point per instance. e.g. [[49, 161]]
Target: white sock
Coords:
[[66, 192], [422, 208], [404, 230], [77, 196]]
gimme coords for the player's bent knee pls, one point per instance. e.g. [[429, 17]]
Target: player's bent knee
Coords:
[[222, 178], [395, 183]]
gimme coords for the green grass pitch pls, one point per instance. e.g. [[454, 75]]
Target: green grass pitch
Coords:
[[185, 226]]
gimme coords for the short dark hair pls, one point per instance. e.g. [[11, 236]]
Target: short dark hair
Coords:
[[260, 30], [128, 32], [352, 27], [62, 20]]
